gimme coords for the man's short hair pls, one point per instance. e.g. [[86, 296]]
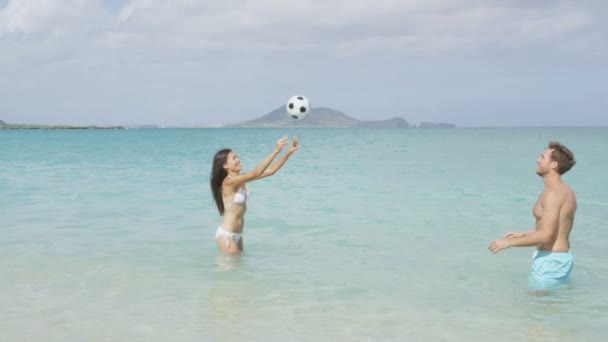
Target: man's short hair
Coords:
[[562, 155]]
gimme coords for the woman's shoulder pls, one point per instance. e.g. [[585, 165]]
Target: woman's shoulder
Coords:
[[232, 187]]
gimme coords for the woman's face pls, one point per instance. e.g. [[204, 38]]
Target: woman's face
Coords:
[[233, 163]]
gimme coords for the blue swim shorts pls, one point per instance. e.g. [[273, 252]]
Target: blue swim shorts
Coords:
[[550, 269]]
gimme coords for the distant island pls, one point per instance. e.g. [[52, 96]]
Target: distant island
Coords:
[[4, 125], [318, 117], [321, 117], [425, 124]]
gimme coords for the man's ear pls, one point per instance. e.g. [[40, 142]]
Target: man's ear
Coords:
[[554, 165]]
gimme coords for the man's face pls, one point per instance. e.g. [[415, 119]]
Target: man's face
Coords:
[[545, 163]]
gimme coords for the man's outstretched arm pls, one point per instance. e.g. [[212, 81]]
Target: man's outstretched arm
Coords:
[[546, 227]]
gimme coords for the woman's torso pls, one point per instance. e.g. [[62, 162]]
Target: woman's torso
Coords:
[[235, 206]]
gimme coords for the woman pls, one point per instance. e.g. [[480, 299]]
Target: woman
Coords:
[[229, 188]]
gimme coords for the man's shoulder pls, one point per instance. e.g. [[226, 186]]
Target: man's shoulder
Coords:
[[565, 190], [555, 195]]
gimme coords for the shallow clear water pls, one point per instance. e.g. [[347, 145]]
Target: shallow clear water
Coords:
[[364, 234]]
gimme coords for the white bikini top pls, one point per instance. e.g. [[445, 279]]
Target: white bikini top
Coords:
[[240, 196]]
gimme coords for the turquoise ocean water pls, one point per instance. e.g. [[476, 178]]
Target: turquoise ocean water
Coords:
[[373, 235]]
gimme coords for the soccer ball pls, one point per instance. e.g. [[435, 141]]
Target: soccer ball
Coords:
[[298, 107]]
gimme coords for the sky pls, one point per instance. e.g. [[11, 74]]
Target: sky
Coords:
[[473, 63]]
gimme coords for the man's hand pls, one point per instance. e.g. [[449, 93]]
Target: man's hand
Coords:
[[498, 245], [514, 235]]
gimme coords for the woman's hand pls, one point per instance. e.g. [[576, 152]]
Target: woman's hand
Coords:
[[281, 143], [295, 145]]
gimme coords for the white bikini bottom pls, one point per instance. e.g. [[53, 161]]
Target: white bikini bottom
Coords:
[[229, 236]]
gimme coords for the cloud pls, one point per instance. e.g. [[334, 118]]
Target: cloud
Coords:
[[152, 56], [23, 18], [147, 30]]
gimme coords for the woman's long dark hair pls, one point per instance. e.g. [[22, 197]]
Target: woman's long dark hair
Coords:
[[218, 174]]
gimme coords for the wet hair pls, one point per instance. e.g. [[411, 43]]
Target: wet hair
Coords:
[[218, 174], [562, 155]]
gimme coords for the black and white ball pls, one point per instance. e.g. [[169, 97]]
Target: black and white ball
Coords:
[[298, 107]]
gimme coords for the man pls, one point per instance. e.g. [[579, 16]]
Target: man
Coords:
[[554, 212]]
